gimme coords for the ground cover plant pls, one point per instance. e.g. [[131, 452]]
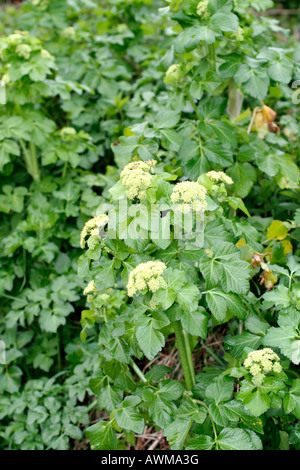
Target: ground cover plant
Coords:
[[122, 122]]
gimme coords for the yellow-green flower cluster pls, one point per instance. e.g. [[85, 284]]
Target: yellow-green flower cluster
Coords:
[[262, 362], [137, 177], [202, 8], [173, 74], [146, 276], [92, 228], [69, 33], [239, 35], [219, 177], [189, 195], [23, 50], [91, 287]]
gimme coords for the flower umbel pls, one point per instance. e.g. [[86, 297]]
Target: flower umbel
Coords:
[[91, 287], [189, 195], [92, 228], [219, 177], [137, 177], [202, 8], [146, 276], [262, 362]]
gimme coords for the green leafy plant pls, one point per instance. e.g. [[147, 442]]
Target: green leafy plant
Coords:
[[176, 286]]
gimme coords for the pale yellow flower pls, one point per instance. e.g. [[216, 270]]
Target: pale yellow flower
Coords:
[[92, 227], [137, 177], [146, 276], [262, 362], [91, 287], [188, 196], [219, 177]]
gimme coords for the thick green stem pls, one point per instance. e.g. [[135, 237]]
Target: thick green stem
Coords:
[[31, 160], [212, 53], [138, 371], [185, 353]]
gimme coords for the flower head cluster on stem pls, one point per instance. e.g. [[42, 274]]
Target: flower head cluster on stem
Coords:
[[219, 177], [146, 276], [262, 362], [92, 228], [137, 177], [188, 196]]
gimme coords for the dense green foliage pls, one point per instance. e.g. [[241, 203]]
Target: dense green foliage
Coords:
[[90, 87]]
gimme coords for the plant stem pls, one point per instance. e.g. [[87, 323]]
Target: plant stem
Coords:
[[192, 103], [64, 172], [212, 53], [210, 417], [138, 371], [58, 350], [212, 353], [34, 162], [185, 353], [31, 160]]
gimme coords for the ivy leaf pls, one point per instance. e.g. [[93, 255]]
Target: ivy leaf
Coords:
[[235, 439], [257, 83], [129, 418], [291, 400], [188, 297], [238, 343], [150, 340], [162, 411], [219, 391], [278, 296], [286, 336], [220, 303], [257, 403], [195, 322], [224, 22], [166, 119], [202, 442], [102, 436], [177, 431], [281, 70], [243, 175], [224, 265]]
